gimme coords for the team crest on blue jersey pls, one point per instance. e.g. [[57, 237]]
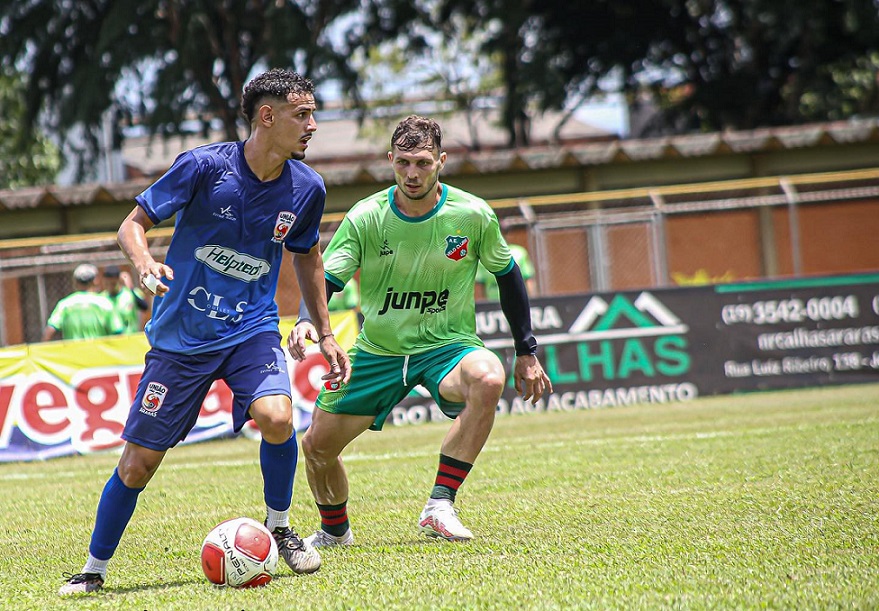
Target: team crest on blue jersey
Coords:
[[456, 247], [282, 226], [153, 398]]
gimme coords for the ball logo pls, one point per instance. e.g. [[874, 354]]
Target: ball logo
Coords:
[[332, 385], [282, 226], [153, 398]]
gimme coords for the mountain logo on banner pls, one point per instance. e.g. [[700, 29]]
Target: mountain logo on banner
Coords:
[[623, 318]]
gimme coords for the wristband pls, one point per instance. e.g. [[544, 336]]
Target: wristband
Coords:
[[150, 282], [323, 337]]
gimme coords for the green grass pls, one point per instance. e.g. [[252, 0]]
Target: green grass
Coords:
[[753, 501]]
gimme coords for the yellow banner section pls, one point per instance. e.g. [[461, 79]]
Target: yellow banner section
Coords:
[[70, 397]]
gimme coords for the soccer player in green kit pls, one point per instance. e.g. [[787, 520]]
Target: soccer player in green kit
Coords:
[[417, 246]]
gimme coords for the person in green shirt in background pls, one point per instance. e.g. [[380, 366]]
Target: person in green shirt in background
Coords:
[[127, 301], [489, 282], [84, 313], [348, 299]]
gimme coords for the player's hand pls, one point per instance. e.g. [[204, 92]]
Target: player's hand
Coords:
[[337, 358], [340, 365], [530, 379], [151, 277], [296, 341]]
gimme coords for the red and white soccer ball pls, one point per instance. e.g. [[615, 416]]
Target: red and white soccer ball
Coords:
[[240, 553]]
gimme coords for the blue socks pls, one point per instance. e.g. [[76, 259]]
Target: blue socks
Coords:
[[114, 512], [278, 465]]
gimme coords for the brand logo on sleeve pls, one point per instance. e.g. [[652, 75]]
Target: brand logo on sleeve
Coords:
[[283, 224]]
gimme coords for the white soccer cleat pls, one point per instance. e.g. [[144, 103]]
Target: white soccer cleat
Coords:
[[440, 519], [324, 539], [82, 583], [299, 556]]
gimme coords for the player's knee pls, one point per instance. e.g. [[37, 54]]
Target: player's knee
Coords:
[[276, 429], [488, 385], [315, 456], [135, 471]]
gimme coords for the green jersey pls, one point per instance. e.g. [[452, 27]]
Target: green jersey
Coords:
[[417, 274], [126, 307], [84, 314]]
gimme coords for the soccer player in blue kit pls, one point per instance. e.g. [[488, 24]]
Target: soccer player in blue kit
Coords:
[[238, 204]]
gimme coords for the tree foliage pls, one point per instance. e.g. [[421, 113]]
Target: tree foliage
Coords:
[[24, 161], [703, 64], [163, 62]]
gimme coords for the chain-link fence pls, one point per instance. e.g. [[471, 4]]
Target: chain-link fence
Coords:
[[699, 234], [586, 242]]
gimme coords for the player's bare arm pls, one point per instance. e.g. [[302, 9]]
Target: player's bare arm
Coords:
[[131, 238], [310, 271]]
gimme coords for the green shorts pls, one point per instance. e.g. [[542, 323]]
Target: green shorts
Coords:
[[378, 383]]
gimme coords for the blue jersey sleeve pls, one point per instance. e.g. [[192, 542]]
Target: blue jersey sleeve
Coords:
[[307, 232], [170, 193]]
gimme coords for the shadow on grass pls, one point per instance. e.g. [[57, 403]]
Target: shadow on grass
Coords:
[[150, 587]]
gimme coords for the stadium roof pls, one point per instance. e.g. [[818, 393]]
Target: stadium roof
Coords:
[[345, 159]]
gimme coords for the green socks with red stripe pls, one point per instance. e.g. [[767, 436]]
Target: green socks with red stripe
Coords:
[[334, 518], [449, 477]]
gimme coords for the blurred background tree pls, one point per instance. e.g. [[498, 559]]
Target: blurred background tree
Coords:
[[695, 65], [24, 160], [161, 63]]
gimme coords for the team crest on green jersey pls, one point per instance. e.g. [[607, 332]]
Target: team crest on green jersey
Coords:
[[456, 247]]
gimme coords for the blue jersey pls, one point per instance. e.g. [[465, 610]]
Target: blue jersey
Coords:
[[226, 250]]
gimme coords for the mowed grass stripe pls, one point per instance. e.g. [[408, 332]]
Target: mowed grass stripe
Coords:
[[755, 501]]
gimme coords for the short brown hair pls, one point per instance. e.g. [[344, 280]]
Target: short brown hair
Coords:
[[417, 132], [274, 83]]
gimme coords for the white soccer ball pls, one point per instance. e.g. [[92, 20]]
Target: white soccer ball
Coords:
[[240, 553]]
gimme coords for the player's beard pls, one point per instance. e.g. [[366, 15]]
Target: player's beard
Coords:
[[297, 155], [425, 193]]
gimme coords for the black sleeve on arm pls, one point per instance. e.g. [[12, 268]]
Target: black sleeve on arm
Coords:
[[139, 301], [517, 310], [303, 311]]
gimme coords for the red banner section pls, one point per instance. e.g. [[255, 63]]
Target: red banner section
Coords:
[[73, 397]]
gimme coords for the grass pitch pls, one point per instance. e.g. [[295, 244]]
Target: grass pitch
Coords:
[[753, 501]]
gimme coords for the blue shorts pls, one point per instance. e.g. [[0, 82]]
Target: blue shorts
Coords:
[[174, 386]]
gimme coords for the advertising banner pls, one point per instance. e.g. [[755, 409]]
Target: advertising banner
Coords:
[[657, 346], [600, 350], [73, 397]]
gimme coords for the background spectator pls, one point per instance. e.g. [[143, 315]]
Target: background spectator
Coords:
[[128, 301], [348, 299], [84, 313], [488, 282]]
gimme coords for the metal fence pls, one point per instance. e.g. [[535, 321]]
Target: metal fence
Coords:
[[594, 241]]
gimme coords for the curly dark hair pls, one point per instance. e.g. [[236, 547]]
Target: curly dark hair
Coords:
[[274, 83], [417, 132]]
